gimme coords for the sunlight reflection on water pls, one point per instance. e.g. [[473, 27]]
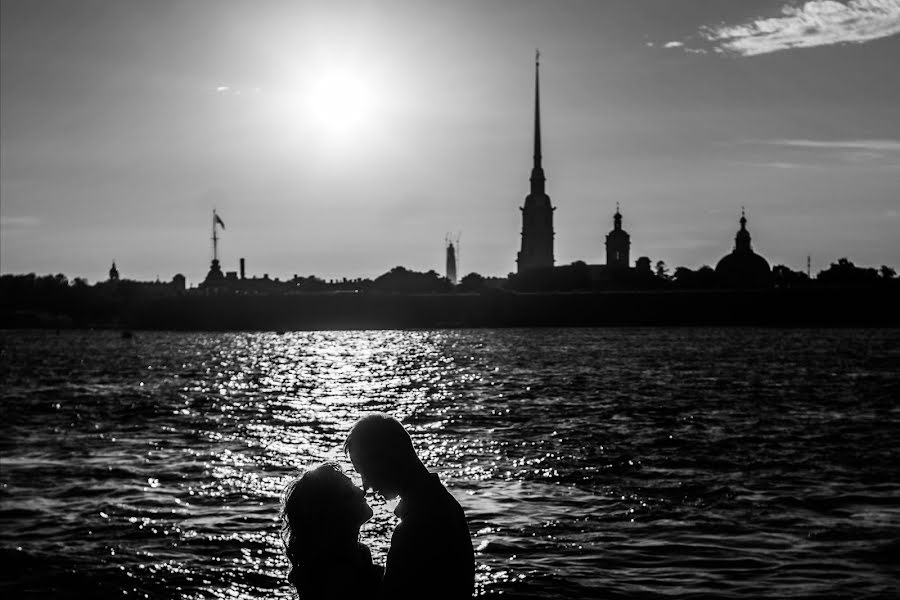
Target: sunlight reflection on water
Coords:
[[588, 461]]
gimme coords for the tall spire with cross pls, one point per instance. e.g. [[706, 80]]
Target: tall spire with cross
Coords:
[[537, 214], [537, 171]]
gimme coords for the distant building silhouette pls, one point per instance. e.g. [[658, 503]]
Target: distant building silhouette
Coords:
[[215, 277], [618, 244], [743, 267], [113, 272], [617, 272], [537, 214], [451, 261]]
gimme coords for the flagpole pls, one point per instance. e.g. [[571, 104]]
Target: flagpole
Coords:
[[215, 237]]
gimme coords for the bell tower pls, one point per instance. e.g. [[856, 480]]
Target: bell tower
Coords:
[[618, 243]]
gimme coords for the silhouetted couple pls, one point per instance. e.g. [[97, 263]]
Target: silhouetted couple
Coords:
[[431, 550]]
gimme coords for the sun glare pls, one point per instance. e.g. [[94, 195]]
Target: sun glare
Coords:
[[340, 103], [334, 106]]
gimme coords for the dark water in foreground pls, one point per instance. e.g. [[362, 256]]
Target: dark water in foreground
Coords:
[[616, 463]]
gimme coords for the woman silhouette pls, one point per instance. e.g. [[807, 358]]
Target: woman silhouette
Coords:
[[321, 512]]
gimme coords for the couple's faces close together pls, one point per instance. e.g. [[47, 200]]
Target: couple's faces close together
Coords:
[[354, 499], [374, 475]]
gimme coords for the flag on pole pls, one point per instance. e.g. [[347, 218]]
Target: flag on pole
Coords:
[[219, 220]]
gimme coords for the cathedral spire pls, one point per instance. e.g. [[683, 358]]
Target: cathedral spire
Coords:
[[537, 214], [537, 172]]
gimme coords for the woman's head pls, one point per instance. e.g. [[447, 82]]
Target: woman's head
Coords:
[[321, 512]]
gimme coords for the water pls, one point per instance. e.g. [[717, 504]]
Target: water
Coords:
[[734, 463]]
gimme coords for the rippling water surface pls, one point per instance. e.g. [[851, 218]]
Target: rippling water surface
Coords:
[[735, 463]]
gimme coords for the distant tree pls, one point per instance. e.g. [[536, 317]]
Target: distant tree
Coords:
[[662, 271], [702, 278], [575, 276], [887, 272], [472, 282], [400, 279], [683, 276], [783, 276], [844, 272], [706, 276]]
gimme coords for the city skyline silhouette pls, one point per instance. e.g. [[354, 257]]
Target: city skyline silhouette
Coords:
[[343, 141]]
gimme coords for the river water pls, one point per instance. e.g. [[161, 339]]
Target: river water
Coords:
[[617, 463]]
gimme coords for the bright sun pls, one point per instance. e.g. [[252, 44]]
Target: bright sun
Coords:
[[340, 103]]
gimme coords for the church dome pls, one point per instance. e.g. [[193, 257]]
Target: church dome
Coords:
[[744, 270], [743, 267]]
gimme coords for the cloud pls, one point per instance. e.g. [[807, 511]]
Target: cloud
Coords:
[[7, 222], [773, 165], [874, 146], [782, 165], [868, 153], [676, 44], [227, 90], [815, 23]]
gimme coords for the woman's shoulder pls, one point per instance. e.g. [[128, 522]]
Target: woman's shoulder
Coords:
[[346, 578], [368, 565], [364, 551]]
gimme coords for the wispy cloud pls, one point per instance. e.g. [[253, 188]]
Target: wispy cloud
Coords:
[[227, 90], [772, 164], [806, 153], [814, 23], [863, 145], [780, 165], [7, 222]]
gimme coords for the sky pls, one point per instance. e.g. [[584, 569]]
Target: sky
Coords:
[[342, 139]]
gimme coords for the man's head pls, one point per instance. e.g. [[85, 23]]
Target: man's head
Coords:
[[382, 453]]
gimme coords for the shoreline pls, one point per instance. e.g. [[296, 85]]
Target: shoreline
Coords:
[[803, 308]]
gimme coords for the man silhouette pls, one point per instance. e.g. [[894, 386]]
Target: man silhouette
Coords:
[[431, 549]]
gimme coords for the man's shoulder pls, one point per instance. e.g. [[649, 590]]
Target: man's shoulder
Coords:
[[442, 495], [432, 498]]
